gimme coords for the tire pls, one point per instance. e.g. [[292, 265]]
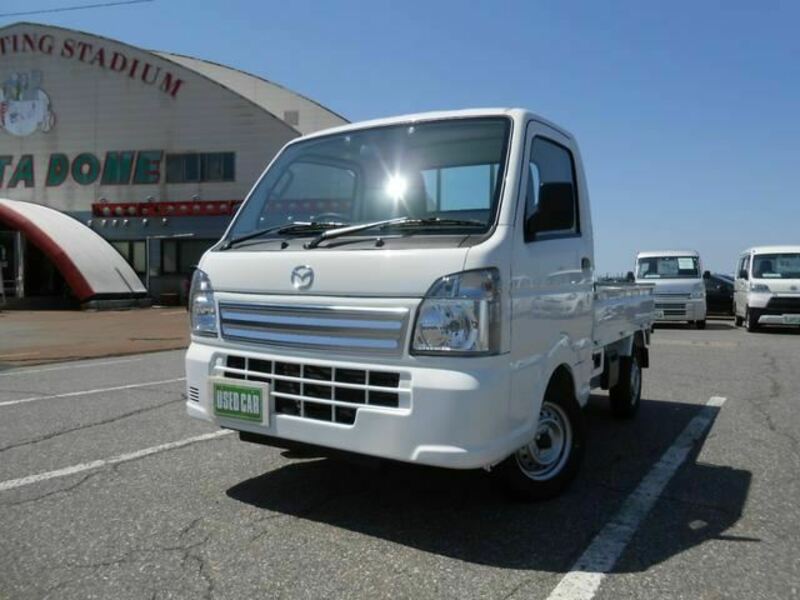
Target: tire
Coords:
[[545, 467], [626, 396], [751, 319], [737, 320], [700, 324]]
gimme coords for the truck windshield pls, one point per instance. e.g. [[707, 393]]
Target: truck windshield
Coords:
[[444, 176], [668, 267], [777, 266]]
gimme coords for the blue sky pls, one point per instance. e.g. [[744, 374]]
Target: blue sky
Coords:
[[686, 112]]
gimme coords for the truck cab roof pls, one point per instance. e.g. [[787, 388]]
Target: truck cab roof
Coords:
[[658, 253], [772, 249], [519, 115]]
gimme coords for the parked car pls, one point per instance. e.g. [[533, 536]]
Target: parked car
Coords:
[[767, 287], [719, 294], [680, 293], [440, 309]]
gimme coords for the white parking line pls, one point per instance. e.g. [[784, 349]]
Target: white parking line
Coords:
[[96, 464], [89, 392], [28, 371], [584, 578]]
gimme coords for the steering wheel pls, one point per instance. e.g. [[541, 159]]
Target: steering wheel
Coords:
[[330, 216]]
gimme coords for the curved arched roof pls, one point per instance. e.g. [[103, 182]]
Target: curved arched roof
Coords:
[[267, 94], [273, 98], [89, 264]]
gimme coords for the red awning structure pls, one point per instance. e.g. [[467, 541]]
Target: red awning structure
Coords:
[[89, 264]]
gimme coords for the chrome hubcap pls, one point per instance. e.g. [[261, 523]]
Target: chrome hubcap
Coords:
[[545, 456]]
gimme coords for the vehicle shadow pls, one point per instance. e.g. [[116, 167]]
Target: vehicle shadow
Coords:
[[777, 330], [462, 515]]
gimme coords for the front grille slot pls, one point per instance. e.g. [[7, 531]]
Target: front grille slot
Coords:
[[787, 304], [383, 399], [344, 329], [672, 309], [320, 392], [320, 412], [194, 394], [351, 395]]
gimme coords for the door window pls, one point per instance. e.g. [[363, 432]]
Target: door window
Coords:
[[551, 203]]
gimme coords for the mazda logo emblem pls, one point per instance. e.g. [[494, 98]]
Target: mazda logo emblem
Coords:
[[302, 277]]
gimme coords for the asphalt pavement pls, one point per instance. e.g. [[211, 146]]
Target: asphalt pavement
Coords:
[[108, 490]]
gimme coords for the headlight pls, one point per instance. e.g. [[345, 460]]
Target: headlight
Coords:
[[460, 314], [202, 308], [699, 292], [759, 287]]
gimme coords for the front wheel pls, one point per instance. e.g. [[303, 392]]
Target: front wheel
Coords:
[[544, 467], [700, 324], [737, 320], [751, 320]]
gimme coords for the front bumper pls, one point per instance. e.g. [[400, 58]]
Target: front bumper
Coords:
[[445, 416], [671, 311], [775, 309]]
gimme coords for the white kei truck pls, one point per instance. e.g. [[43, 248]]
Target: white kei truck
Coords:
[[679, 288], [419, 289], [767, 287]]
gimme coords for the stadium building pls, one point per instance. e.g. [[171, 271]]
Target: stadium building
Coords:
[[149, 151]]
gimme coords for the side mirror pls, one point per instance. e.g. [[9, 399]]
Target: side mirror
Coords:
[[706, 274], [630, 277], [743, 274]]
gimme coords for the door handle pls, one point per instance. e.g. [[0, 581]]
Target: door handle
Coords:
[[586, 263]]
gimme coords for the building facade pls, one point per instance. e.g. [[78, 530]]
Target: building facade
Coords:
[[153, 151]]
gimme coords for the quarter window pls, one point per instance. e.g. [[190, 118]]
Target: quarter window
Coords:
[[551, 203]]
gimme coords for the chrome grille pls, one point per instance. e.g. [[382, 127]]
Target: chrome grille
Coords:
[[376, 330], [321, 392]]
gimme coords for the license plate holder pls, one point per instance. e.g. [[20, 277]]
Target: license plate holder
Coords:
[[244, 401]]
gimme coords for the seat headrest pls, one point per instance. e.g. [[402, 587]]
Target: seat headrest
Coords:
[[556, 209]]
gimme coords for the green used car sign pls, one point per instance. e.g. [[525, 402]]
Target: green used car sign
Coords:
[[238, 402]]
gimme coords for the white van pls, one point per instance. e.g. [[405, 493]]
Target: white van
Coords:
[[767, 287], [419, 289], [677, 277]]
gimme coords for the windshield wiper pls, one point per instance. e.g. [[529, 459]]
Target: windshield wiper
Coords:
[[387, 223], [286, 228], [334, 233]]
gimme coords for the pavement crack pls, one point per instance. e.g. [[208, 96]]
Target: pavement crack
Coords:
[[64, 490], [771, 372], [55, 434]]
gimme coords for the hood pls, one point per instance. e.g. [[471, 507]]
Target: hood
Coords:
[[672, 286], [382, 273]]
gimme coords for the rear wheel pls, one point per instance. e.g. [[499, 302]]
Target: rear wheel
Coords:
[[625, 397], [543, 467]]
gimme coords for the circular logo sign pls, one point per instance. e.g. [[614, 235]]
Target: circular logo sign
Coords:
[[302, 277], [24, 105]]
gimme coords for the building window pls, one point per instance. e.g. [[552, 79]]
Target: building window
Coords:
[[179, 257], [134, 253], [201, 167]]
